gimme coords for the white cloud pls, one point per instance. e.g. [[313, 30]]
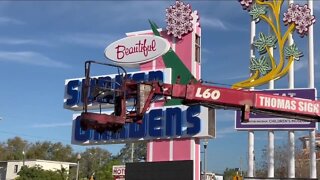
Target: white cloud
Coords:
[[213, 23], [300, 65], [236, 77], [89, 39], [32, 58], [225, 131], [52, 125], [14, 41], [7, 20]]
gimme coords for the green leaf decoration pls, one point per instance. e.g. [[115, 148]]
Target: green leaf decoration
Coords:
[[179, 69], [260, 65], [265, 42], [154, 28], [256, 11], [293, 51]]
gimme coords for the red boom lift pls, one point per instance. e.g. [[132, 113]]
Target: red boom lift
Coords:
[[141, 94]]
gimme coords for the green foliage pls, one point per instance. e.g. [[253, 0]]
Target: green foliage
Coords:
[[260, 65], [139, 154], [180, 73], [257, 11], [264, 42], [36, 172], [12, 149], [280, 162], [293, 51], [229, 173], [93, 161], [106, 171]]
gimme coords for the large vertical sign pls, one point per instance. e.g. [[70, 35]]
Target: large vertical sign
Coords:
[[259, 121]]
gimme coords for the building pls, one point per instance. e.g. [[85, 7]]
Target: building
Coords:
[[9, 169], [211, 176], [303, 157], [306, 147]]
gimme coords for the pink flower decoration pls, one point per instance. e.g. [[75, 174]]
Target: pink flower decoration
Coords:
[[301, 16], [246, 4], [178, 18]]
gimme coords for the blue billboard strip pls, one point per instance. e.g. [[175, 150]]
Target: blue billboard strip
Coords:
[[73, 87], [158, 123]]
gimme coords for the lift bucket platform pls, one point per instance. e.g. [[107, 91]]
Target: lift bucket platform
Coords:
[[98, 94], [130, 100]]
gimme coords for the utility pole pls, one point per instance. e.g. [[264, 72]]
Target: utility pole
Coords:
[[78, 163], [205, 145], [132, 151], [23, 160], [241, 166]]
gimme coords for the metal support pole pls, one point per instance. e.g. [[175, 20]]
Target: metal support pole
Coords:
[[271, 154], [250, 172], [311, 49], [78, 164], [271, 133], [205, 145], [23, 158], [77, 175], [250, 153], [291, 69], [132, 151], [291, 160], [252, 36], [313, 161]]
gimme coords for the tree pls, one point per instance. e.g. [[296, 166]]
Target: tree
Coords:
[[228, 174], [36, 172], [280, 162], [50, 151], [281, 156], [93, 160], [13, 148], [140, 152], [107, 169]]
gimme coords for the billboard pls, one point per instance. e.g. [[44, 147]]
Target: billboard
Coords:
[[73, 87], [260, 121], [158, 123]]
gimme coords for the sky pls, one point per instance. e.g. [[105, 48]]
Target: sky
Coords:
[[42, 43]]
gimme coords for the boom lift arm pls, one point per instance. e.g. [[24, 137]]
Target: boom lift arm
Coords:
[[246, 101], [142, 95]]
